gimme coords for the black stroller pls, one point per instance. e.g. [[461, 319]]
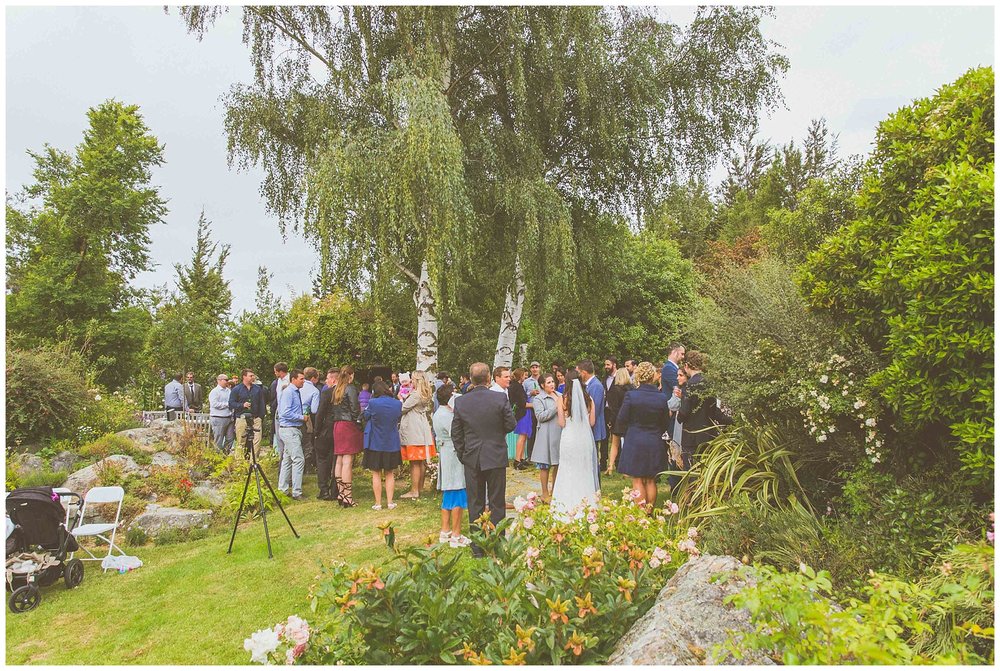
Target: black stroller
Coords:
[[38, 546]]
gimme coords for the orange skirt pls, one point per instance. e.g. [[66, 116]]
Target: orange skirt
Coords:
[[417, 452]]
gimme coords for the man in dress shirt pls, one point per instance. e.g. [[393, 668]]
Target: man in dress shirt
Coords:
[[193, 393], [173, 396], [290, 420], [501, 380], [668, 375], [310, 400], [596, 391], [247, 397], [220, 416], [395, 385], [279, 384], [630, 365]]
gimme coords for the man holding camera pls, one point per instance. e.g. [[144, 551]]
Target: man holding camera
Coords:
[[290, 420], [247, 399]]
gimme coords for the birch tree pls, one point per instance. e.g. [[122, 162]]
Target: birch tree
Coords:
[[410, 141]]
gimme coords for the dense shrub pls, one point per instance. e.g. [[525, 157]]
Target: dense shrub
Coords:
[[46, 393], [552, 592], [110, 444], [43, 479], [880, 523], [111, 413], [944, 620], [914, 274]]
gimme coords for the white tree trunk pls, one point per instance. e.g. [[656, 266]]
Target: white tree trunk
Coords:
[[511, 320], [427, 323]]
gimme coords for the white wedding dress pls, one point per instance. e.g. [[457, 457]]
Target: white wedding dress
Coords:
[[575, 490]]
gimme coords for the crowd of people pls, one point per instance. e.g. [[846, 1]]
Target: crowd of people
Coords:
[[572, 426]]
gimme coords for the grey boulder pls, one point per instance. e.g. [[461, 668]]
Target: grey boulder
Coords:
[[85, 478], [64, 461], [688, 619], [164, 459], [158, 519]]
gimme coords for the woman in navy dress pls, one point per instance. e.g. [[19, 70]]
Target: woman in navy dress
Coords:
[[641, 422]]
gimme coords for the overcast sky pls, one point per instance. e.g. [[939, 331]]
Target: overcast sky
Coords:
[[852, 65]]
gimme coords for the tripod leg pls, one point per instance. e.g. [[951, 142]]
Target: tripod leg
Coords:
[[278, 501], [239, 512], [257, 471]]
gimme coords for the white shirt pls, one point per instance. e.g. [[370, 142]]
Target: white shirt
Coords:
[[218, 402], [496, 387]]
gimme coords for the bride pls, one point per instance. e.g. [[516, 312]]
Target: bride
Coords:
[[576, 485]]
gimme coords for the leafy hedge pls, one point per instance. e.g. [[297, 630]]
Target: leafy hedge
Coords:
[[914, 274], [46, 394]]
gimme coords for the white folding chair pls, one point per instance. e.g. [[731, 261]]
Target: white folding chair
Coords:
[[100, 495]]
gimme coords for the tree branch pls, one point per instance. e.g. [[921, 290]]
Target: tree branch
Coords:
[[403, 269], [289, 32]]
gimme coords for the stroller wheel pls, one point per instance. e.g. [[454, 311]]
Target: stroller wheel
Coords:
[[73, 573], [24, 599]]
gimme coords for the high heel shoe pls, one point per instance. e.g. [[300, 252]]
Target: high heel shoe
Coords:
[[334, 495], [345, 497]]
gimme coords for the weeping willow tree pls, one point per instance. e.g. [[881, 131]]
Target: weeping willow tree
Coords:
[[410, 142]]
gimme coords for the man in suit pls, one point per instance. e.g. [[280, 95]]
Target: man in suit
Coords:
[[596, 391], [699, 414], [479, 430], [192, 393], [668, 376], [395, 385]]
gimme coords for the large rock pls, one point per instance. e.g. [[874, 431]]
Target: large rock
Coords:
[[152, 438], [28, 463], [64, 461], [209, 492], [688, 619], [85, 478], [158, 519], [165, 459]]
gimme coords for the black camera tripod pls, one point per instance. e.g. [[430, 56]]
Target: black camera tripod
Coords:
[[259, 474]]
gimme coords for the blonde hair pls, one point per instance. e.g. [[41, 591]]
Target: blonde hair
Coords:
[[622, 377], [645, 373], [342, 383], [420, 385]]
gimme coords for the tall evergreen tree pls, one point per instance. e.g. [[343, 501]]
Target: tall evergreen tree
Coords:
[[201, 282]]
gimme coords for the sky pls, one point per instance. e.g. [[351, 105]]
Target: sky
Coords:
[[852, 65]]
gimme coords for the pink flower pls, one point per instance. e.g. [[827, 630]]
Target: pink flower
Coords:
[[528, 522], [289, 657], [635, 495], [990, 536], [594, 528], [591, 517], [654, 563], [674, 509], [687, 545], [693, 533], [661, 554], [520, 503], [531, 554]]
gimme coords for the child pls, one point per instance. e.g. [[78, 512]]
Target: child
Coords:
[[364, 396], [405, 385], [451, 475]]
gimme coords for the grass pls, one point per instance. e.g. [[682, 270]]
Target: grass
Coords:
[[191, 603]]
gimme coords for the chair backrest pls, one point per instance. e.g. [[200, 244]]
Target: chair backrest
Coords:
[[104, 495]]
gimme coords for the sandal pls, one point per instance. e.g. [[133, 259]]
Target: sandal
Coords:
[[345, 499], [377, 506], [335, 494], [410, 495], [390, 506]]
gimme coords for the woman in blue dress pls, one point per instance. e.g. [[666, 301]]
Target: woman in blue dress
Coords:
[[641, 422]]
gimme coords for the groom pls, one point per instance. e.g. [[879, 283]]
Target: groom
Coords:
[[479, 430], [596, 391]]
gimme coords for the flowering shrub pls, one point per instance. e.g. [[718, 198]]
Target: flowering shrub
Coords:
[[549, 591], [832, 396], [946, 620], [109, 413], [283, 643]]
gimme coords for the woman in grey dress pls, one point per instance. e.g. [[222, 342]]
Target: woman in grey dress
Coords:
[[546, 452], [451, 473]]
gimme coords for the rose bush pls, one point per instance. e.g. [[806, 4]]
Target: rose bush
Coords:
[[550, 590]]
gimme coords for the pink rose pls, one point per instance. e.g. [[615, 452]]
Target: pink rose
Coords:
[[528, 522]]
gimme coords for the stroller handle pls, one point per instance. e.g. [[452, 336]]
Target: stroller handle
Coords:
[[76, 499]]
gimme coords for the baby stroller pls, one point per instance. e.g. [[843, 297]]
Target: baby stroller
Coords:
[[38, 546]]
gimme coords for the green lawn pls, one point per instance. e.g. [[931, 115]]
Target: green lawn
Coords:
[[191, 603]]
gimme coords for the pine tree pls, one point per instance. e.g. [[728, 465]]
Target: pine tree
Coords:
[[201, 282]]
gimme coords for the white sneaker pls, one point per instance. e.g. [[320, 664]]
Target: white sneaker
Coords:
[[444, 537], [460, 542]]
